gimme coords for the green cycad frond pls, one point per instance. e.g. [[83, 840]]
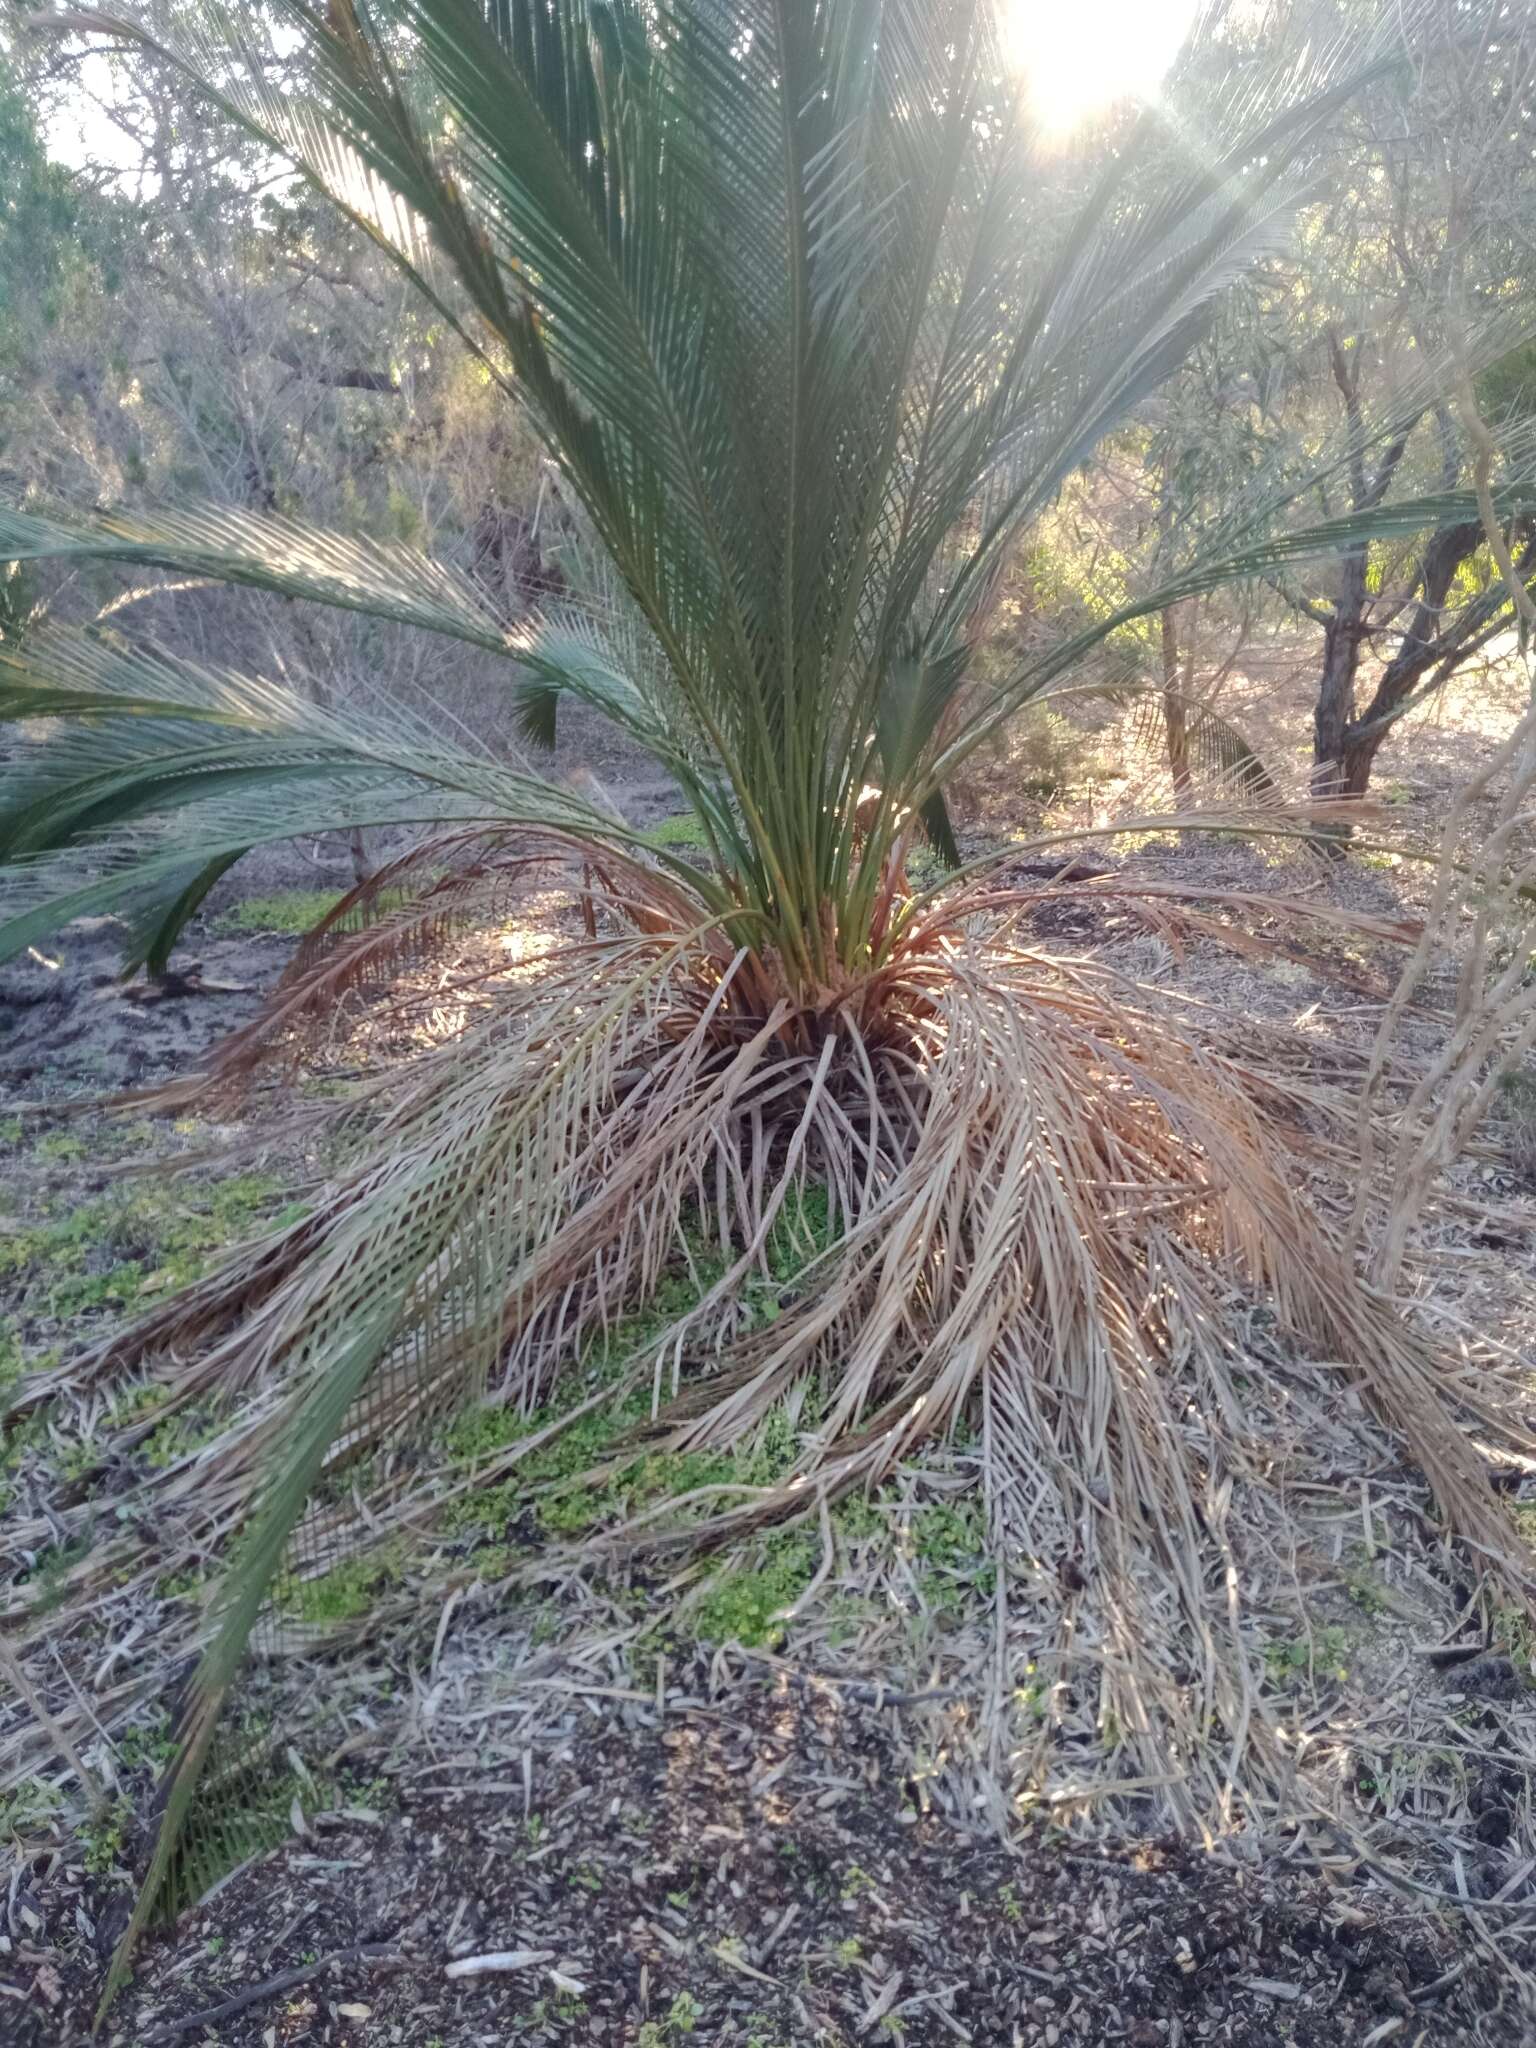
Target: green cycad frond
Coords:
[[776, 285], [384, 578], [169, 770]]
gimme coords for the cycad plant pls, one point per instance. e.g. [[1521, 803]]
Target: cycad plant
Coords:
[[772, 280]]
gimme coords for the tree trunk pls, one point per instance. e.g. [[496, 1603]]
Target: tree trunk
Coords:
[[1429, 643], [1175, 714], [1335, 710], [1358, 759]]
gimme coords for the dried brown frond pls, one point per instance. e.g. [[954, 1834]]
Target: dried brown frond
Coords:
[[1052, 1193], [1082, 1197]]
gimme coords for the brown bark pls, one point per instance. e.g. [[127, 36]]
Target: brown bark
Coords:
[[1175, 714], [1346, 629]]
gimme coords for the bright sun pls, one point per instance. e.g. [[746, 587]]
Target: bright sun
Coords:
[[1081, 55]]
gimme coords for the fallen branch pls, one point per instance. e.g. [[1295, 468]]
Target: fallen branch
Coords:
[[270, 1987]]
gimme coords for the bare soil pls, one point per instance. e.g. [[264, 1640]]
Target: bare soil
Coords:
[[755, 1867]]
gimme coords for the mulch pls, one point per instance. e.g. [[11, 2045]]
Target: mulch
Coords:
[[755, 1871]]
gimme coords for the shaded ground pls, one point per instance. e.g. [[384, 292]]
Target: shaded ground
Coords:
[[746, 1869]]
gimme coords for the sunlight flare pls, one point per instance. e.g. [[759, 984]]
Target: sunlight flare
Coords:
[[1078, 61]]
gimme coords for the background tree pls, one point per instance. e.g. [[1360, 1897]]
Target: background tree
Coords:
[[1425, 236], [198, 326]]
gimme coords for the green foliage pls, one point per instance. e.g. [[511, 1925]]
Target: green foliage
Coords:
[[762, 2033], [289, 911], [11, 1361], [565, 2010], [22, 1441], [745, 1605], [1366, 1591], [74, 1262], [949, 1542], [952, 1536], [187, 1585], [183, 1433], [30, 1810], [682, 2016], [61, 1145], [105, 1835], [42, 226], [543, 1480], [802, 1231], [1324, 1651], [346, 1591], [1507, 388], [686, 830]]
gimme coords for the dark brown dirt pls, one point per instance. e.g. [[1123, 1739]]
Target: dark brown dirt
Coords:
[[751, 1871], [69, 1029]]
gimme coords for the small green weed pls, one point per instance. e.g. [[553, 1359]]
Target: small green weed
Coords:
[[564, 2011], [1365, 1591], [682, 2017], [952, 1538], [135, 1404], [346, 1592], [105, 1835], [294, 911], [683, 830], [547, 1480], [858, 1519], [61, 1145], [802, 1231], [183, 1433], [744, 1606], [10, 1355], [1324, 1652], [147, 1745], [949, 1542], [112, 1251], [29, 1810]]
